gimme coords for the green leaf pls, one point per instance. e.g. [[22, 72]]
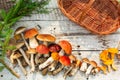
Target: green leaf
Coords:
[[2, 14], [1, 68]]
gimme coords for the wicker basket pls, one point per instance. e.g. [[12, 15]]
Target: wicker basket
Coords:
[[6, 4], [98, 16]]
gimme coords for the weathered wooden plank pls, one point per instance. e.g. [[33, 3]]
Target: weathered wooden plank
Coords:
[[78, 36], [54, 15]]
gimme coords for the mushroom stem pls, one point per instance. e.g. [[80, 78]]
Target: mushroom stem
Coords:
[[52, 66], [32, 63], [73, 71], [61, 53], [58, 69], [114, 67], [10, 69], [109, 68], [25, 41], [33, 42], [37, 58], [46, 63], [67, 72], [45, 43], [83, 66], [24, 55], [89, 69], [22, 68]]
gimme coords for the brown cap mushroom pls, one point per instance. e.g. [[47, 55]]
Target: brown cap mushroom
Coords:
[[54, 48], [46, 37], [66, 46], [31, 51], [19, 30]]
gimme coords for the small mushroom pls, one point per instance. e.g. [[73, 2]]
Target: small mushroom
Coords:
[[66, 47], [65, 60], [96, 70], [32, 51], [54, 56], [41, 50], [92, 65], [76, 68], [18, 47], [54, 48], [31, 33], [104, 69], [17, 56], [84, 64], [46, 38], [19, 31], [44, 71]]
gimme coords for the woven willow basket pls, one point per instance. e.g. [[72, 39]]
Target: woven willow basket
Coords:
[[98, 16]]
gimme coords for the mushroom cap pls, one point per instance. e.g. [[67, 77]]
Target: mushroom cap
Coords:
[[66, 46], [93, 63], [46, 37], [19, 45], [65, 60], [85, 60], [42, 49], [55, 56], [30, 33], [113, 50], [72, 57], [54, 48], [31, 51], [19, 30], [15, 56]]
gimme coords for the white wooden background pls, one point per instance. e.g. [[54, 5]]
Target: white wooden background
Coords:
[[57, 24]]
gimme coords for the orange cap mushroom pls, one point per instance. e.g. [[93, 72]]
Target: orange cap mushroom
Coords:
[[31, 33], [65, 60], [66, 46], [55, 56], [42, 49]]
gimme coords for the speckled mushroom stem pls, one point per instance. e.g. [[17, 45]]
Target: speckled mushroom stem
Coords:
[[25, 57], [10, 69], [32, 63], [23, 69], [25, 41]]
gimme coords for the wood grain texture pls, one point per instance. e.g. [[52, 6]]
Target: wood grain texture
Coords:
[[83, 41]]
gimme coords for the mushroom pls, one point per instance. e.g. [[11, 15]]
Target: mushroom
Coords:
[[104, 69], [54, 48], [54, 56], [65, 60], [31, 33], [84, 64], [96, 70], [75, 69], [92, 65], [44, 71], [46, 38], [66, 47], [16, 56], [19, 31], [32, 51], [18, 47], [41, 49]]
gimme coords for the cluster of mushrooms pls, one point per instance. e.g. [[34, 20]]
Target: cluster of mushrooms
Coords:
[[40, 52]]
